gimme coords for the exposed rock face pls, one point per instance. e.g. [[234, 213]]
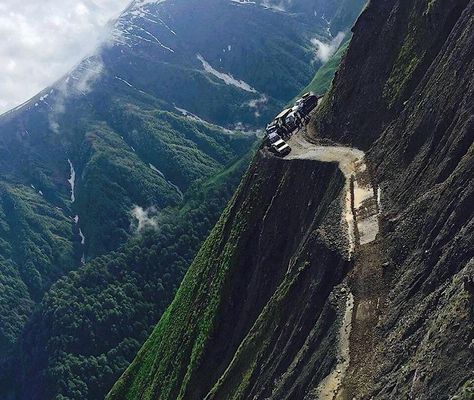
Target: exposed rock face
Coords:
[[423, 160], [395, 44], [244, 326], [270, 254]]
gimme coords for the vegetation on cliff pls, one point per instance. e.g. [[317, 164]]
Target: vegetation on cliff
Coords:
[[116, 298]]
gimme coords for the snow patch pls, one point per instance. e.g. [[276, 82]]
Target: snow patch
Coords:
[[195, 118], [324, 51], [72, 180], [175, 187], [124, 81], [148, 33], [243, 2], [129, 84], [156, 170], [149, 17], [147, 2], [83, 238], [227, 78], [190, 115]]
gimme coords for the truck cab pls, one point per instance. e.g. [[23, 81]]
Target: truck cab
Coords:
[[307, 103], [280, 120]]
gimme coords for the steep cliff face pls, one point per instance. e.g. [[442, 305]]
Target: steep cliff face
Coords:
[[395, 44], [423, 161], [261, 254], [274, 308]]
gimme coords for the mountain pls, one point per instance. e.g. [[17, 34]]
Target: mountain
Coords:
[[92, 322], [111, 178], [346, 269]]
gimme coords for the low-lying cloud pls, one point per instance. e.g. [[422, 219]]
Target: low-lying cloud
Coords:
[[79, 82], [277, 5], [144, 218], [324, 51], [43, 40], [258, 104]]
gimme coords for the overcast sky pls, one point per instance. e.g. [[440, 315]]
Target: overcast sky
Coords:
[[43, 39]]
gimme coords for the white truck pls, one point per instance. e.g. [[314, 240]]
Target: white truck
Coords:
[[277, 144]]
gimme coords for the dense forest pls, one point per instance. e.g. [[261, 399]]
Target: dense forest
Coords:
[[91, 323]]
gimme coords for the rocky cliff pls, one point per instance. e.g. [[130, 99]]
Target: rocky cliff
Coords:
[[270, 254], [423, 161]]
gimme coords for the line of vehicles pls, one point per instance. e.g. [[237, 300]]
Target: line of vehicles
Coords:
[[285, 123]]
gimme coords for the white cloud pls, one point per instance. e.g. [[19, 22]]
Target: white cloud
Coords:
[[80, 81], [324, 51], [43, 40], [277, 5], [258, 104], [144, 218]]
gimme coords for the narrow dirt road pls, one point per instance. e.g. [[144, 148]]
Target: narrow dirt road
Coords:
[[361, 206], [360, 216]]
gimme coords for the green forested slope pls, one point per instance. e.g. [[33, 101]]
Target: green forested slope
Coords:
[[324, 76], [125, 153], [116, 299]]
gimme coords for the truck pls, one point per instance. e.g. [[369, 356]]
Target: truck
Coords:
[[293, 119], [280, 121], [307, 103], [277, 145]]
